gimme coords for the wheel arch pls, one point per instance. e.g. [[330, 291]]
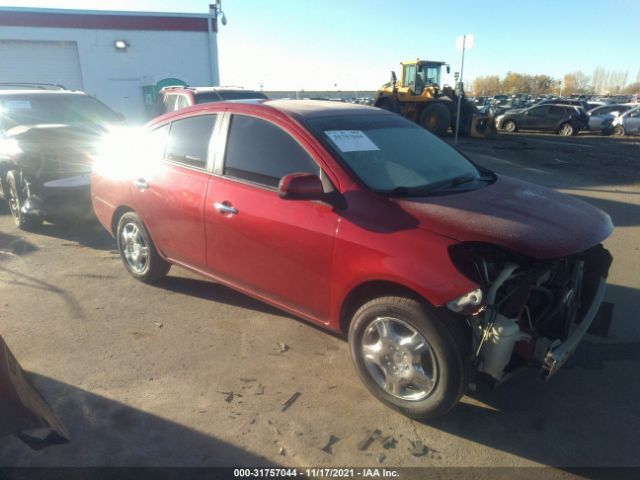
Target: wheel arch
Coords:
[[505, 120], [369, 290], [117, 215]]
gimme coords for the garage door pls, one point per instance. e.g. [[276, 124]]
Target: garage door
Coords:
[[44, 62]]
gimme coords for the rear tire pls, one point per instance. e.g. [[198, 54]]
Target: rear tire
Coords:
[[138, 253], [16, 199], [436, 118], [420, 366]]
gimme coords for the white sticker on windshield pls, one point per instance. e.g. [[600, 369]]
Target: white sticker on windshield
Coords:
[[351, 141], [17, 105]]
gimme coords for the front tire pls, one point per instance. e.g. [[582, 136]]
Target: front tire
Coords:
[[138, 253], [566, 130], [618, 131], [510, 126], [408, 357], [436, 118], [16, 198]]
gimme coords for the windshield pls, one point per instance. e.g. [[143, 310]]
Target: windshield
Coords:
[[386, 152], [69, 109]]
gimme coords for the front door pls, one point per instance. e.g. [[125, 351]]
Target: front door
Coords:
[[282, 249], [537, 118]]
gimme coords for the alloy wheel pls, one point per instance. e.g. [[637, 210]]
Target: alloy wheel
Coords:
[[399, 359], [14, 202], [134, 248], [566, 130]]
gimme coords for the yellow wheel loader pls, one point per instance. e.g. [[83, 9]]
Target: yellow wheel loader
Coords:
[[419, 97]]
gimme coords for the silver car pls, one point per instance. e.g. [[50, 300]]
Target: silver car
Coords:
[[627, 123], [599, 115]]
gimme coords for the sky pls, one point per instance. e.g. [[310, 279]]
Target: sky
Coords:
[[352, 45]]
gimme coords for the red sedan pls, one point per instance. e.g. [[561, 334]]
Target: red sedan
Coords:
[[358, 220]]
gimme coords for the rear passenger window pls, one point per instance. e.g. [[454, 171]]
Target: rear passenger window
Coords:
[[260, 152], [557, 111], [189, 140]]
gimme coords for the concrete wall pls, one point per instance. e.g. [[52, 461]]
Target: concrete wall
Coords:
[[117, 77]]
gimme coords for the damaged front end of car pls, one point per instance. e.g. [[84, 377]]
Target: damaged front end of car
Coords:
[[528, 311], [51, 166]]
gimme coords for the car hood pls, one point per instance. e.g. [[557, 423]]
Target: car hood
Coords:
[[69, 146], [523, 217], [55, 135]]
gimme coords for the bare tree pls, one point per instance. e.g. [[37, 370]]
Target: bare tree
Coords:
[[576, 82], [599, 79], [487, 86], [616, 81]]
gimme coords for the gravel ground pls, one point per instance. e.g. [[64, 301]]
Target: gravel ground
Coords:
[[190, 373]]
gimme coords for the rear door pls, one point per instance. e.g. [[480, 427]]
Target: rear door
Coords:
[[170, 194], [558, 115], [282, 249]]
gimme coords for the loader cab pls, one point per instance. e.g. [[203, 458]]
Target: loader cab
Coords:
[[418, 74]]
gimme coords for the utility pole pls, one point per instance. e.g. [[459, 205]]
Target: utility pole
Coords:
[[462, 43]]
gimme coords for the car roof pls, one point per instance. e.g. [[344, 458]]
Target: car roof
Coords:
[[178, 88], [319, 108], [296, 109]]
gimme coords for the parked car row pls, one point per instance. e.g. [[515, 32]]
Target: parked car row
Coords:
[[568, 117]]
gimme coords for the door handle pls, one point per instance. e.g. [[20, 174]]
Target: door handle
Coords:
[[141, 184], [225, 208]]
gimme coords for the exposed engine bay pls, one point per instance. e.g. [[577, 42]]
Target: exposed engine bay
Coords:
[[528, 311]]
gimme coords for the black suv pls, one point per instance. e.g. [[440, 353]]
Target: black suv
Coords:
[[48, 136], [175, 98], [562, 119]]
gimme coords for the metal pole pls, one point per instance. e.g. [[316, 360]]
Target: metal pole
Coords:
[[464, 41]]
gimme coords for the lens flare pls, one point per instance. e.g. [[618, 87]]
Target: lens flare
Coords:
[[126, 152]]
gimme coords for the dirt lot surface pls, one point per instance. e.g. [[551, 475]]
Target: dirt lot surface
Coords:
[[190, 373]]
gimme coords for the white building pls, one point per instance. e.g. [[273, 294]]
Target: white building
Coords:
[[122, 58]]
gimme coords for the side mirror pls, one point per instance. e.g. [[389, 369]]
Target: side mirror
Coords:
[[394, 79], [301, 186], [448, 69]]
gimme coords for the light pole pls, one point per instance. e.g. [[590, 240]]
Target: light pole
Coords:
[[462, 43]]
